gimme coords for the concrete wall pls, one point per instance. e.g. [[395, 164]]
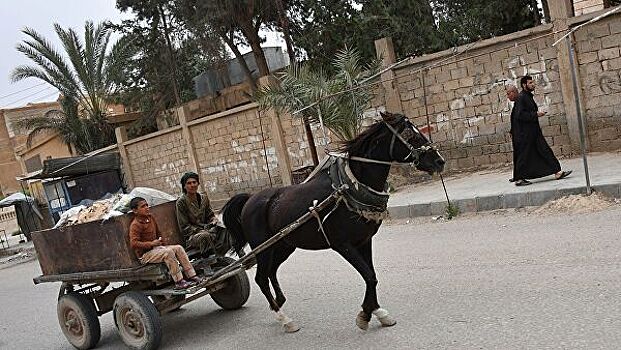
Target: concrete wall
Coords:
[[582, 7], [598, 51], [233, 152], [158, 160], [464, 97]]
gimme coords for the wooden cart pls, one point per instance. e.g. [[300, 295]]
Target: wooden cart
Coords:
[[100, 273]]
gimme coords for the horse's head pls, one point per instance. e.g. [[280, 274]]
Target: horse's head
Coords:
[[409, 145]]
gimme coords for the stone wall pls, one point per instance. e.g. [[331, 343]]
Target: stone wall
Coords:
[[463, 96], [234, 153], [231, 154], [599, 56], [158, 160], [582, 7]]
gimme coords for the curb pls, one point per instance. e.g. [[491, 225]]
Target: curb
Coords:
[[500, 201]]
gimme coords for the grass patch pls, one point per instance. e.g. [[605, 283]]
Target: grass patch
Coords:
[[451, 211]]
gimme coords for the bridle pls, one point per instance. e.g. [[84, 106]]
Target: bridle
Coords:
[[415, 153], [411, 158]]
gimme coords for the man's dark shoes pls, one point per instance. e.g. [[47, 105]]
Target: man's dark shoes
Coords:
[[564, 174], [522, 182]]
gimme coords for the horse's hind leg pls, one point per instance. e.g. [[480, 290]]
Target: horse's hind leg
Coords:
[[264, 266], [281, 253], [366, 251]]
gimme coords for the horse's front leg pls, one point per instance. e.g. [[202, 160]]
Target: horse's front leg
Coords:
[[358, 261], [370, 297]]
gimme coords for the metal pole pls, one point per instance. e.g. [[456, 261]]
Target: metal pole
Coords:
[[574, 81]]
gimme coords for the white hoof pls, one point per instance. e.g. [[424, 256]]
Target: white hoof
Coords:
[[385, 319], [291, 327], [361, 322], [287, 323]]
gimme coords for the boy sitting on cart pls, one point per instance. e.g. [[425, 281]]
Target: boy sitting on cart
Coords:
[[146, 241]]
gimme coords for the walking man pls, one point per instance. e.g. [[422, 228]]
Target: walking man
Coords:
[[533, 157], [512, 95]]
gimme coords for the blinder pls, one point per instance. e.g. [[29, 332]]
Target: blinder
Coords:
[[403, 136]]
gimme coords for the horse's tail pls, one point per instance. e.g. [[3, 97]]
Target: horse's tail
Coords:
[[231, 215]]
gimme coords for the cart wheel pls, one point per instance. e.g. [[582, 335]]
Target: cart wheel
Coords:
[[138, 321], [78, 320], [236, 291]]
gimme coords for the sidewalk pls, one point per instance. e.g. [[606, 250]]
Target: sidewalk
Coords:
[[491, 189]]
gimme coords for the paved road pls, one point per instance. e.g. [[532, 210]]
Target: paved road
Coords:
[[492, 281]]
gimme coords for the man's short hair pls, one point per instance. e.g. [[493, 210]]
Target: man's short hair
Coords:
[[510, 87], [134, 202], [525, 80]]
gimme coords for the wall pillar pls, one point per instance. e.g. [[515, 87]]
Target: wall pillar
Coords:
[[385, 52], [278, 138], [182, 115], [560, 12], [121, 138]]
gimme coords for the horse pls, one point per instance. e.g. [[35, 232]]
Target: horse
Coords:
[[346, 226]]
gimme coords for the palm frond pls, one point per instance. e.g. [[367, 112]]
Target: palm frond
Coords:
[[300, 87]]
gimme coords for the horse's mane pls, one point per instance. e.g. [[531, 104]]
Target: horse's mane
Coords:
[[365, 139]]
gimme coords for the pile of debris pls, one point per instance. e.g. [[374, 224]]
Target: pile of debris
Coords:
[[578, 203], [111, 206]]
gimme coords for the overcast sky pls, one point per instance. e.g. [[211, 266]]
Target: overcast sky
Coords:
[[41, 15]]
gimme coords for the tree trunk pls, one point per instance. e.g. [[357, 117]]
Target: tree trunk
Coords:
[[311, 142], [252, 36], [240, 58], [284, 23], [171, 58]]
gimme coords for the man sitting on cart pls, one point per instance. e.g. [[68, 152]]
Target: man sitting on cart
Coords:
[[197, 222], [149, 246]]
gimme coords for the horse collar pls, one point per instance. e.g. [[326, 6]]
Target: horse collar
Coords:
[[359, 198]]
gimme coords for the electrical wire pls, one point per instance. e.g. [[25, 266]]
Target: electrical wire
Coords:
[[22, 90], [29, 96]]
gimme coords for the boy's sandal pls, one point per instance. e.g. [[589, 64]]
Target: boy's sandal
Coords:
[[183, 284], [564, 174]]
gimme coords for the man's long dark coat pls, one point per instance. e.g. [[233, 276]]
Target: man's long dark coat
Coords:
[[532, 156]]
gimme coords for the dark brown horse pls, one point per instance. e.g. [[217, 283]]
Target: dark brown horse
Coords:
[[347, 225]]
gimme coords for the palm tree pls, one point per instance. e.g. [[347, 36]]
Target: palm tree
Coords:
[[84, 78], [341, 112]]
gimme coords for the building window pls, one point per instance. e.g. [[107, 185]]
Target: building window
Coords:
[[33, 163]]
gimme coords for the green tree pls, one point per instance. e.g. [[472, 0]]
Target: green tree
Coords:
[[236, 22], [83, 75], [410, 23], [464, 22], [322, 28], [167, 56]]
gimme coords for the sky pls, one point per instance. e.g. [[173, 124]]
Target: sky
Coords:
[[41, 15]]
